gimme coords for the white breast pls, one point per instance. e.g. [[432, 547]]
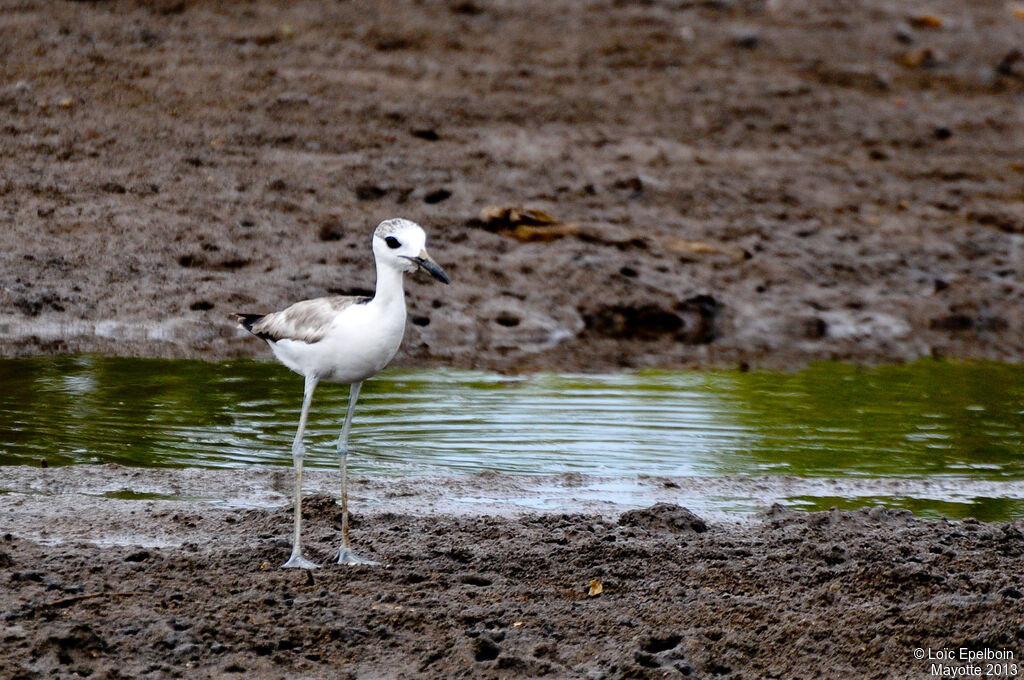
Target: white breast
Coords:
[[360, 342]]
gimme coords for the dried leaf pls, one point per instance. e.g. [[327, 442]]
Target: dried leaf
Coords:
[[596, 588], [530, 233], [926, 21], [525, 224], [510, 216]]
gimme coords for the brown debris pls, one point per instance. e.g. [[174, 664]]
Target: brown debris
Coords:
[[925, 21]]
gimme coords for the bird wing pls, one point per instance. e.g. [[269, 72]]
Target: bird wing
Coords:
[[307, 321]]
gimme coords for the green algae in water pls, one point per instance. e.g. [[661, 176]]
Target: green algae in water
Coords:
[[929, 419], [130, 495]]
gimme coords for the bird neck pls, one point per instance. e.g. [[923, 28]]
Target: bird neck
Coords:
[[390, 286]]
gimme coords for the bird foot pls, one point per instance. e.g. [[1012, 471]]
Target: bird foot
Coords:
[[297, 561], [346, 556]]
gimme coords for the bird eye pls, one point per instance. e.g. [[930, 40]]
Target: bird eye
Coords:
[[392, 242]]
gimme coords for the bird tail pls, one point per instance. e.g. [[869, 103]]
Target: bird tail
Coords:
[[247, 321]]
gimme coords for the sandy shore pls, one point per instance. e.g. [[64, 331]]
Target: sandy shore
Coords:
[[113, 588]]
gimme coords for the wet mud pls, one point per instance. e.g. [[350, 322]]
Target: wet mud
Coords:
[[610, 184], [101, 582], [158, 588]]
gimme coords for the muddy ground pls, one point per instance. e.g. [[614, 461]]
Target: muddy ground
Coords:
[[610, 184], [105, 587], [733, 182]]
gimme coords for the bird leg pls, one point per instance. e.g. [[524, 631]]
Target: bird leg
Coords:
[[345, 554], [297, 560]]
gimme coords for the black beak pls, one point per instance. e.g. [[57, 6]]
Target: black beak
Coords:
[[427, 264]]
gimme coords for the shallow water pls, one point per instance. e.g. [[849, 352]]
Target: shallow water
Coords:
[[930, 419]]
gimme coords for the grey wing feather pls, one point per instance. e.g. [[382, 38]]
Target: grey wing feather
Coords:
[[307, 321]]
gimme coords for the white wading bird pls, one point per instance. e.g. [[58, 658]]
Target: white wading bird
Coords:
[[345, 339]]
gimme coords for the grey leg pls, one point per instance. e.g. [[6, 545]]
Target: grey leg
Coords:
[[297, 560], [345, 554]]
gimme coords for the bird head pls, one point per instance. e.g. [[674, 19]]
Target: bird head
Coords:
[[402, 244]]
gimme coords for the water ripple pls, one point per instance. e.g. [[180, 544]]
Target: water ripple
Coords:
[[931, 418]]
